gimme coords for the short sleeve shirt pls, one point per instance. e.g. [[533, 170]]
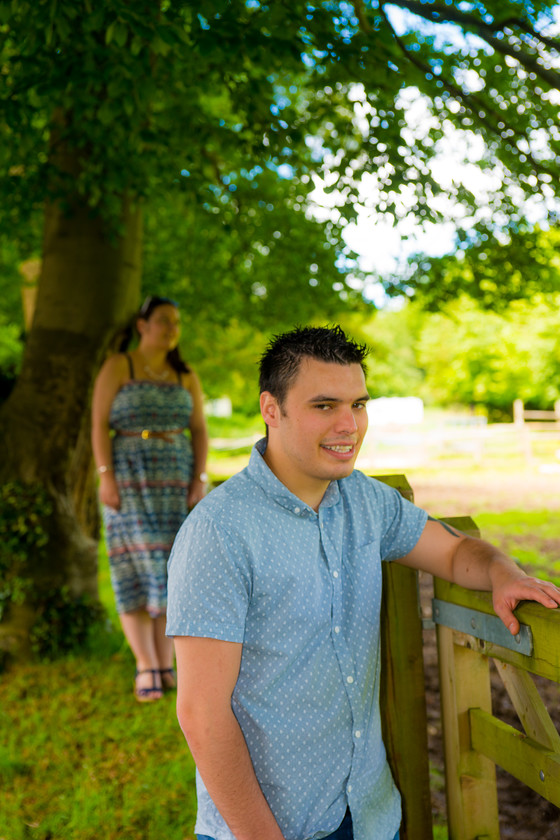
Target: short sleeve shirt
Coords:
[[301, 591]]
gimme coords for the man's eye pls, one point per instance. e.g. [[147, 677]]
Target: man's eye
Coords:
[[322, 406], [359, 405]]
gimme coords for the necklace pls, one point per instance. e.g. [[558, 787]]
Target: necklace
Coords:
[[154, 375]]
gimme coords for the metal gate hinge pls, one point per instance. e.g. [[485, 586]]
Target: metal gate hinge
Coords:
[[481, 625]]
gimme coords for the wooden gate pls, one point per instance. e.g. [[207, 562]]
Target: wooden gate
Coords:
[[469, 634]]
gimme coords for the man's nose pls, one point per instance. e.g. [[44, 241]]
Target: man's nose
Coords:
[[347, 421]]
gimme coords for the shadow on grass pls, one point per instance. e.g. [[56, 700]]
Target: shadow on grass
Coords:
[[80, 758]]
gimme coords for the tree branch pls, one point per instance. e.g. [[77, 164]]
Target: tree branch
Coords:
[[361, 14], [438, 14], [476, 106]]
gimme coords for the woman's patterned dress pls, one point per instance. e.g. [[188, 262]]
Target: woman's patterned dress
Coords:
[[153, 476]]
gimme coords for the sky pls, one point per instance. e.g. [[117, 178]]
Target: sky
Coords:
[[383, 248]]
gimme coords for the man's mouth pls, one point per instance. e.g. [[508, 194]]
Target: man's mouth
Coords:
[[343, 448]]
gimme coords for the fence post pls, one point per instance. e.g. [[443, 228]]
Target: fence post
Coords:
[[518, 416], [472, 802], [403, 699]]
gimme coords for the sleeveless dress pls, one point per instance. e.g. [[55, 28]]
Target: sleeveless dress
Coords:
[[153, 476]]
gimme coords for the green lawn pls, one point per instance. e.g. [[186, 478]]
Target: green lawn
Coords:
[[532, 537], [80, 759]]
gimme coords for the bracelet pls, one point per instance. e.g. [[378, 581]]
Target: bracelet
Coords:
[[103, 469]]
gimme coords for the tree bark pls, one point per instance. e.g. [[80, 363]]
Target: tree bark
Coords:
[[88, 289]]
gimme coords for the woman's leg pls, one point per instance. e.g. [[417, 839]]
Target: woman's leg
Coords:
[[164, 651], [138, 627]]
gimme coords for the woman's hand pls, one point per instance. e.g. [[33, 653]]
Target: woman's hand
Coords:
[[196, 492], [108, 491]]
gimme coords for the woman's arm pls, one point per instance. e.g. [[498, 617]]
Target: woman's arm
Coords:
[[199, 438], [110, 379]]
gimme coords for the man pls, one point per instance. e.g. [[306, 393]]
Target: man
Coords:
[[274, 596]]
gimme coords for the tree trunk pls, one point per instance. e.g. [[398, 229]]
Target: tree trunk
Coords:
[[88, 289]]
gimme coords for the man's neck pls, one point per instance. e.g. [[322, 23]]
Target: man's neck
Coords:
[[309, 490]]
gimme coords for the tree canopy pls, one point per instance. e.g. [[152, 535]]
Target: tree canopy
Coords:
[[221, 101], [174, 146]]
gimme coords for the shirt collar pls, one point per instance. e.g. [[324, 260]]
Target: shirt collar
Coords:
[[261, 473]]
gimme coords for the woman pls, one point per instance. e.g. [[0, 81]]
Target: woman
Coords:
[[150, 473]]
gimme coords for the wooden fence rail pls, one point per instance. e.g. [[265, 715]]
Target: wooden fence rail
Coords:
[[469, 634], [474, 740]]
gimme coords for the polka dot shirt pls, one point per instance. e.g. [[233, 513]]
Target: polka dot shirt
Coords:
[[301, 590]]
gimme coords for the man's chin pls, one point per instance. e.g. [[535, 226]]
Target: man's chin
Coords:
[[342, 470]]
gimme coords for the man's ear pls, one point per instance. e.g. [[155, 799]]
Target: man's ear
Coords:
[[270, 409]]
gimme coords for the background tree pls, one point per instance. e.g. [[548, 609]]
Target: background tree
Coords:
[[492, 267], [109, 109]]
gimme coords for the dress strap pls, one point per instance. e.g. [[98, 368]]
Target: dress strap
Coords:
[[130, 365]]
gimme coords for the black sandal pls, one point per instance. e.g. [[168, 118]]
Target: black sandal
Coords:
[[168, 679], [148, 694]]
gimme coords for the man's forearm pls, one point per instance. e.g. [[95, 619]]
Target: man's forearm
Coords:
[[223, 761], [480, 565], [475, 564]]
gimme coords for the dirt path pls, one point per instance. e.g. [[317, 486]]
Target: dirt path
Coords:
[[524, 815], [447, 496]]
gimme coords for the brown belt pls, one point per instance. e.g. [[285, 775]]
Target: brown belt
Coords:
[[147, 433]]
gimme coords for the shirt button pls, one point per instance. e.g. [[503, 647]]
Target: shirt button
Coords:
[[350, 680], [358, 733], [349, 788], [335, 574], [337, 629], [297, 510]]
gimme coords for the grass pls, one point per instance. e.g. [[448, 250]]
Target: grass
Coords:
[[80, 759], [529, 536]]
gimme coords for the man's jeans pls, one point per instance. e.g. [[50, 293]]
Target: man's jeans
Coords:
[[343, 832]]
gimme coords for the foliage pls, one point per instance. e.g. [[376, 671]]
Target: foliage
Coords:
[[464, 354], [223, 102], [490, 359], [24, 511], [64, 623], [393, 369], [492, 267], [249, 254]]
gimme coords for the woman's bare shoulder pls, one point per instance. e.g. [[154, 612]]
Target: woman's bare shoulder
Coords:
[[116, 367], [190, 381]]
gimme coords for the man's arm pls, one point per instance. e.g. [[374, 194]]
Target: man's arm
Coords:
[[475, 564], [207, 671]]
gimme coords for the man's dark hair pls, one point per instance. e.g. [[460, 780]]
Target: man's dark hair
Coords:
[[280, 363]]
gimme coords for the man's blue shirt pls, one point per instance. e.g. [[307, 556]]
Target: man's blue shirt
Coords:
[[301, 590]]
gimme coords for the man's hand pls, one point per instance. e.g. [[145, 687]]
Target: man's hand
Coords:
[[207, 671], [508, 592], [475, 564]]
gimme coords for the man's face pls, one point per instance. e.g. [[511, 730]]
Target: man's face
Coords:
[[316, 436]]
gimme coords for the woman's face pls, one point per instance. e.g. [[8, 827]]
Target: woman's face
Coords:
[[162, 329]]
